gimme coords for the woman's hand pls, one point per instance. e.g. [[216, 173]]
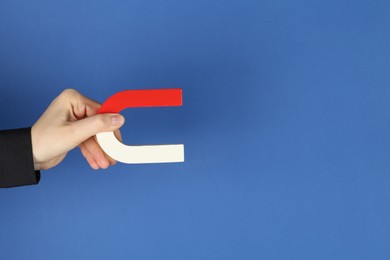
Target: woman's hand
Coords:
[[71, 121]]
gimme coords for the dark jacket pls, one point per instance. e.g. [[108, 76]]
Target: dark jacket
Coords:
[[16, 159]]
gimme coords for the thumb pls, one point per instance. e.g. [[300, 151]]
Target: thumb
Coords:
[[90, 126]]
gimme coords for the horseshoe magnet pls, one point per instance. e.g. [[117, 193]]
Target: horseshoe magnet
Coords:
[[140, 153]]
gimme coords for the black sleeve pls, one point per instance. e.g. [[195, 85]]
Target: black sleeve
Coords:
[[16, 159]]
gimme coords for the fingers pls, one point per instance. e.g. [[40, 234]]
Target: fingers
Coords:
[[80, 106], [118, 135], [95, 155], [88, 156], [110, 160], [85, 128], [91, 106]]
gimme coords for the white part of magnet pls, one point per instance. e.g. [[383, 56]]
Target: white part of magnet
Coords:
[[139, 153]]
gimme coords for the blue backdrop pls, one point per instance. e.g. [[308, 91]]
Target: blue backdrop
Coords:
[[285, 123]]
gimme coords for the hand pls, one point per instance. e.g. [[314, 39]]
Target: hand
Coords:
[[71, 121]]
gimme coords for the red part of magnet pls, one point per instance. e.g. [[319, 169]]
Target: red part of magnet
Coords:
[[142, 98]]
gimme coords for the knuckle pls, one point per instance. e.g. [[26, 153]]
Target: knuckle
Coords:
[[101, 122], [69, 93]]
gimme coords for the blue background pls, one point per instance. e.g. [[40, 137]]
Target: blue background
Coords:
[[285, 123]]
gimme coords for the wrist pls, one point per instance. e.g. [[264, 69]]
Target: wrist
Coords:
[[37, 165], [33, 149]]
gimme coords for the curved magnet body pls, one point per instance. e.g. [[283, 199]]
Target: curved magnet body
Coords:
[[140, 153]]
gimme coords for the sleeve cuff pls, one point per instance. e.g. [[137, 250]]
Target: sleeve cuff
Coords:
[[16, 159]]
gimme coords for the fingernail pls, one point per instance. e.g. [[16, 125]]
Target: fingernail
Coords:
[[117, 120]]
